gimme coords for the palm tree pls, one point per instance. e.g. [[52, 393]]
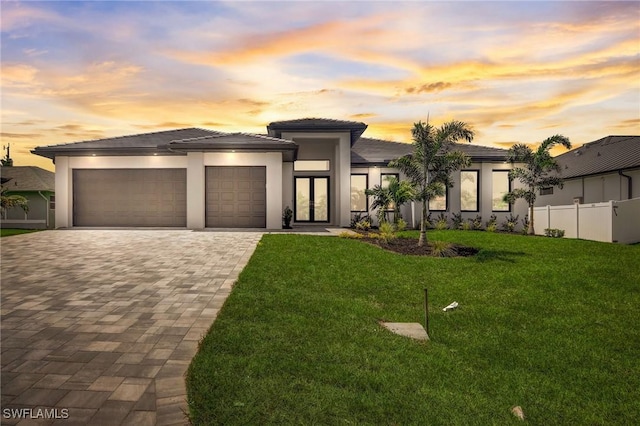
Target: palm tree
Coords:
[[381, 201], [432, 161], [400, 192], [540, 171]]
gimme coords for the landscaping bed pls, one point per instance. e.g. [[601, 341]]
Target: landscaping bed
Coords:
[[409, 246]]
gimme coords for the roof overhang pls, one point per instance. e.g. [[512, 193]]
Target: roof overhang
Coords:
[[355, 129]]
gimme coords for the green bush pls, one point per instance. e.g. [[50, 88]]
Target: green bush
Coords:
[[386, 232], [554, 233], [441, 222], [401, 225], [510, 223], [456, 220]]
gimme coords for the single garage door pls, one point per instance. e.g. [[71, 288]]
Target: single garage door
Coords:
[[130, 197], [236, 197]]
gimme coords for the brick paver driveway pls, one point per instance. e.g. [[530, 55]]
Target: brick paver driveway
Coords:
[[99, 326]]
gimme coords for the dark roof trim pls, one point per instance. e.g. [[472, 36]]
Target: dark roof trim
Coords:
[[355, 128]]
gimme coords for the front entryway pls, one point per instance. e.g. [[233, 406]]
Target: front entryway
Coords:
[[312, 199]]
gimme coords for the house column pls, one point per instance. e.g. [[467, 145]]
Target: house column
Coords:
[[343, 155], [195, 190], [64, 191]]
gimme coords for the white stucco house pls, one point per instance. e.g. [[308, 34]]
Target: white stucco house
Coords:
[[603, 170], [198, 178]]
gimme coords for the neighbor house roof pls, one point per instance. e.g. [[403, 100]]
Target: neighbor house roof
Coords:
[[237, 141], [172, 142], [356, 128], [380, 152], [27, 178], [609, 154]]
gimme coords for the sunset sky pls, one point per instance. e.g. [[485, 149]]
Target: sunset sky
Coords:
[[515, 71]]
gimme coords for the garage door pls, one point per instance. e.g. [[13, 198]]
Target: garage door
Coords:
[[236, 197], [130, 197]]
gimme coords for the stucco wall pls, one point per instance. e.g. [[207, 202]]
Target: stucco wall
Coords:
[[194, 163], [412, 214], [594, 189]]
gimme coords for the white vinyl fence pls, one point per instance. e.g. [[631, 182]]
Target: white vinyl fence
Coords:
[[611, 222]]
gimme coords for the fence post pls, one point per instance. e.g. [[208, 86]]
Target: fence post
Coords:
[[577, 208]]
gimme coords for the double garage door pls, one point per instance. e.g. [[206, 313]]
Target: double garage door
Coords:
[[235, 197]]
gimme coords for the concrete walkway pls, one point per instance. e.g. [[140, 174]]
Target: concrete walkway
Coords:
[[99, 326]]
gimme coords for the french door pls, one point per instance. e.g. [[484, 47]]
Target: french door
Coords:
[[312, 199]]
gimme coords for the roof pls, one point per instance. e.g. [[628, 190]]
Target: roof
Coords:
[[609, 154], [28, 178], [237, 141], [356, 128], [144, 142], [380, 152], [170, 142]]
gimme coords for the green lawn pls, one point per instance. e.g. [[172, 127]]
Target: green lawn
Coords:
[[551, 325], [12, 231]]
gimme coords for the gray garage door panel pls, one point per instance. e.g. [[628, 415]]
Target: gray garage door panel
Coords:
[[236, 197], [130, 197]]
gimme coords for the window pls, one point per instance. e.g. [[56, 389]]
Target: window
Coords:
[[500, 185], [385, 178], [438, 203], [311, 165], [546, 191], [469, 190], [358, 197], [52, 202]]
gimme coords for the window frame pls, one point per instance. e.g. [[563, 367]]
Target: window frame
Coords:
[[509, 187], [315, 170], [446, 203], [394, 174], [366, 186], [477, 172]]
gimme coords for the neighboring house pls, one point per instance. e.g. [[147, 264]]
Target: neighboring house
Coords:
[[199, 178], [603, 170], [37, 186]]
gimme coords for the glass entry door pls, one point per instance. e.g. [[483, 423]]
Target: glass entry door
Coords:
[[312, 199]]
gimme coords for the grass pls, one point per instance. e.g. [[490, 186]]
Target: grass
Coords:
[[7, 232], [548, 324]]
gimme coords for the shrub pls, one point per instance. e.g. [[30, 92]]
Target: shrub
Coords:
[[456, 220], [401, 225], [386, 232], [491, 224], [525, 224], [429, 222], [350, 235], [467, 225], [287, 215], [477, 223], [510, 223], [554, 233], [441, 249], [441, 222], [363, 225]]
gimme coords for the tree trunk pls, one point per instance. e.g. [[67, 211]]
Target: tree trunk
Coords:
[[423, 225], [531, 230]]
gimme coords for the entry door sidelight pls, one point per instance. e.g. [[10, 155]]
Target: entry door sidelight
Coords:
[[312, 199]]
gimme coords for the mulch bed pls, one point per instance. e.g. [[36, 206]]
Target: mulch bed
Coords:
[[409, 246]]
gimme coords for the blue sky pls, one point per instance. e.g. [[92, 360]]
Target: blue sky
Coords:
[[516, 71]]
